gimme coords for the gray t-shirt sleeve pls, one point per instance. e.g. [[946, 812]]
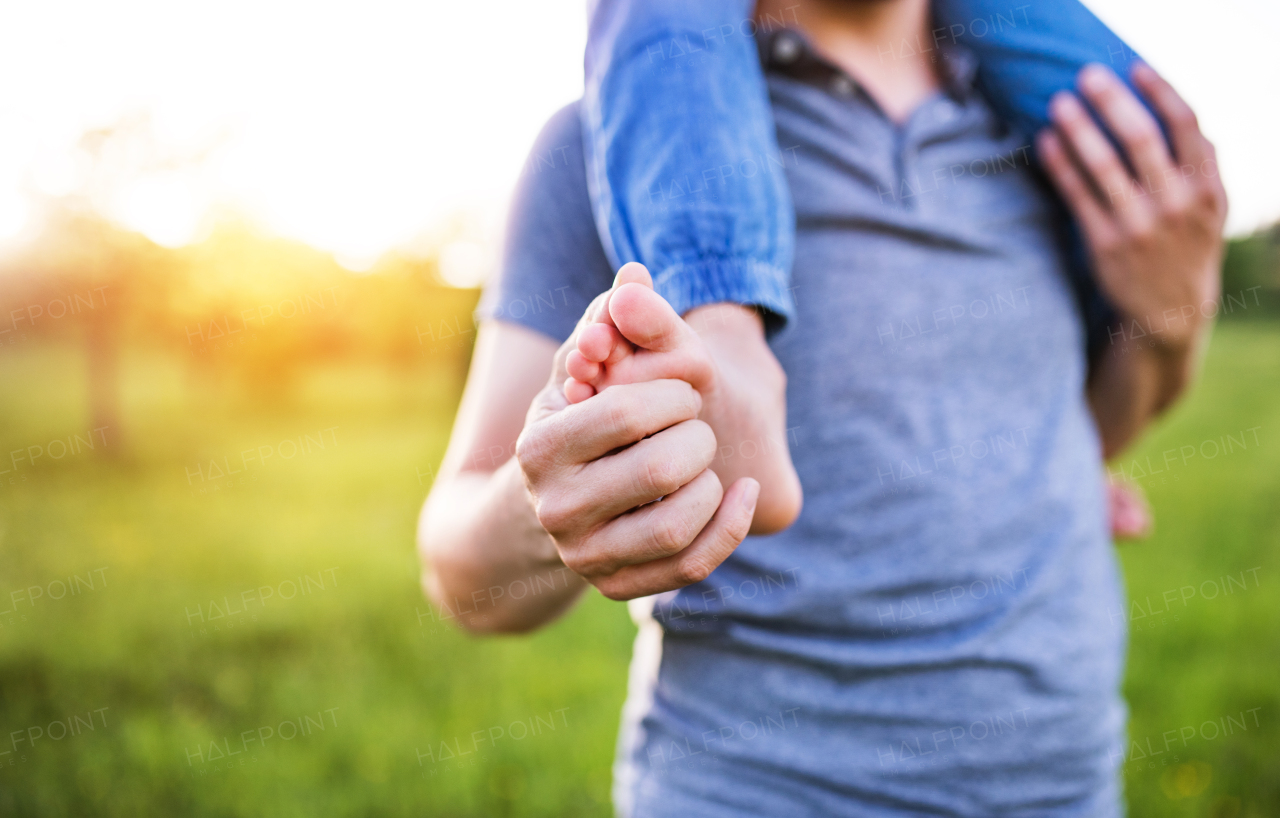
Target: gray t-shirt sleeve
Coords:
[[553, 263]]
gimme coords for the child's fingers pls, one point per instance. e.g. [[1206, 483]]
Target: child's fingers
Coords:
[[576, 391]]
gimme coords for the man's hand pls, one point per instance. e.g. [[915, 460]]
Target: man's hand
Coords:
[[1154, 232], [595, 469], [720, 350]]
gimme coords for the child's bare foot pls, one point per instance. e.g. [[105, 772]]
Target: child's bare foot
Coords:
[[637, 337], [1130, 514]]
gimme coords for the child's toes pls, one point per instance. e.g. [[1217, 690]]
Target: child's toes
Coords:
[[646, 319], [603, 343], [581, 368], [575, 391]]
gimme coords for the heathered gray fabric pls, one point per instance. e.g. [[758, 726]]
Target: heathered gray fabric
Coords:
[[936, 635]]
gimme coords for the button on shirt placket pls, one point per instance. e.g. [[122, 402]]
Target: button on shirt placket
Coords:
[[905, 165], [842, 87], [786, 49]]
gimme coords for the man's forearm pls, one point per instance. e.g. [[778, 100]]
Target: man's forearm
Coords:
[[489, 561], [1133, 383]]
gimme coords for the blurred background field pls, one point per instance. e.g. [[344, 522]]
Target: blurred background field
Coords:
[[239, 248], [224, 587], [179, 531]]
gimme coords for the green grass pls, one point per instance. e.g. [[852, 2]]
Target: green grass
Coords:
[[1210, 658], [401, 681]]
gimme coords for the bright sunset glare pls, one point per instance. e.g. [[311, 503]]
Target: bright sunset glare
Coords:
[[358, 129]]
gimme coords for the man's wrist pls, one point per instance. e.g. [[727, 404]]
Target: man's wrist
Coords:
[[1172, 359], [539, 548]]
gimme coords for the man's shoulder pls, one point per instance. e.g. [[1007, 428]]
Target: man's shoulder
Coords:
[[552, 189], [558, 146], [552, 251]]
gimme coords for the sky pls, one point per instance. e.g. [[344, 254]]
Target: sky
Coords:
[[404, 124]]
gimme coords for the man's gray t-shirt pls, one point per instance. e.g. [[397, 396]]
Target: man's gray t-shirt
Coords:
[[934, 635]]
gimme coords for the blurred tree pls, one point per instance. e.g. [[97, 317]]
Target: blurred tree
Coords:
[[1251, 262], [247, 309], [84, 267], [76, 278]]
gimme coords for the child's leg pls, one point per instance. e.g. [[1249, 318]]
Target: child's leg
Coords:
[[1027, 53], [675, 111], [682, 157], [1030, 51]]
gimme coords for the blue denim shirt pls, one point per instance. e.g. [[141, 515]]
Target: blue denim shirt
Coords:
[[684, 167]]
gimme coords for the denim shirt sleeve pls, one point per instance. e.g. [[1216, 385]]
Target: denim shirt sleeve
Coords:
[[1029, 52], [675, 115], [1026, 54], [683, 164]]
